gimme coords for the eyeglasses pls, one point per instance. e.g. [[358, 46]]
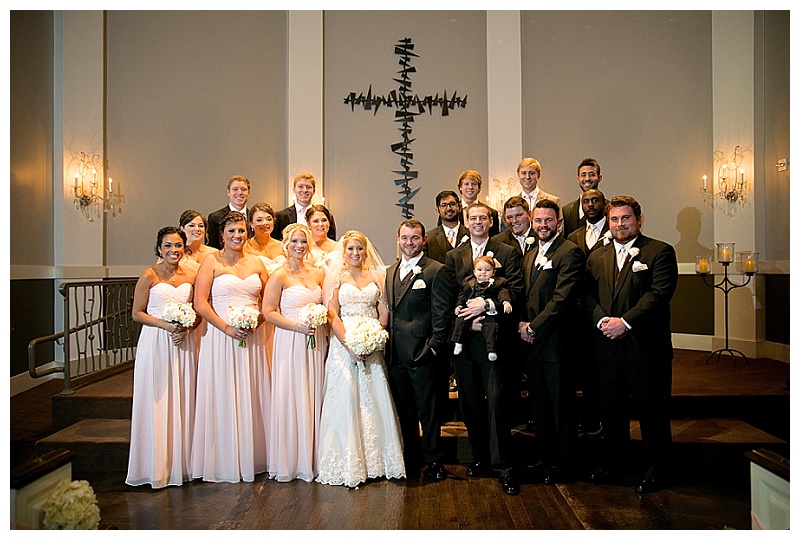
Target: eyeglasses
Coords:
[[448, 205]]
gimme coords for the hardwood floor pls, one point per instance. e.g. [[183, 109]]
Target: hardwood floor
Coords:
[[710, 489]]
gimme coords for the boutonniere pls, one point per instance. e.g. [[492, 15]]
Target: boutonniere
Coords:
[[606, 238], [489, 254], [638, 266], [548, 265], [463, 239], [634, 251], [530, 240], [416, 270], [491, 281]]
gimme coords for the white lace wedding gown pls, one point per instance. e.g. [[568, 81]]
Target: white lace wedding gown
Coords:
[[359, 432]]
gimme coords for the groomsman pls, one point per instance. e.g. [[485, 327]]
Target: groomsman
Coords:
[[305, 185], [450, 231], [238, 193], [469, 185], [483, 385], [590, 237], [518, 233], [552, 271], [589, 177], [420, 297], [528, 173], [633, 280]]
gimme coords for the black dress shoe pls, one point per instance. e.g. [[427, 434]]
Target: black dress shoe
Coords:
[[478, 468], [509, 485], [650, 485], [554, 475], [436, 471]]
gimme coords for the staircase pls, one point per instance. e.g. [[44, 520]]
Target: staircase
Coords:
[[95, 422]]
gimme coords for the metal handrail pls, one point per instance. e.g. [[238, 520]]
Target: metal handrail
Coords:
[[94, 358]]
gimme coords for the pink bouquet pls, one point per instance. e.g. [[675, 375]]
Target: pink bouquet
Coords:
[[313, 316], [243, 317]]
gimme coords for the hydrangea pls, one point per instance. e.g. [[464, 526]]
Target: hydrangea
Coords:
[[71, 505]]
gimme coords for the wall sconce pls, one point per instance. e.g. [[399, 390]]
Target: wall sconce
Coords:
[[731, 185], [90, 198]]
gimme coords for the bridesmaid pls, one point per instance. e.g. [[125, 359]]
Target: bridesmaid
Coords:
[[298, 371], [164, 371], [194, 225], [232, 414], [319, 222], [262, 221]]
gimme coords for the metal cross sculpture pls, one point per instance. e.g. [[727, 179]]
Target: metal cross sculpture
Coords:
[[407, 107]]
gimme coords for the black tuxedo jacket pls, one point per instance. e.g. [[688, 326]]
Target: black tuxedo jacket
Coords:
[[437, 246], [288, 215], [572, 219], [640, 294], [578, 236], [213, 226], [507, 237], [551, 295], [420, 311], [459, 259]]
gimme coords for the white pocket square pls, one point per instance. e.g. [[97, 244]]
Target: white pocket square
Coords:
[[419, 284], [638, 266]]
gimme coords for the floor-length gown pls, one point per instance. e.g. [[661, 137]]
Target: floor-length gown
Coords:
[[359, 431], [298, 379], [162, 418], [233, 392]]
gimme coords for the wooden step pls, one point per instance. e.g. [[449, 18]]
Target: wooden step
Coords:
[[100, 444]]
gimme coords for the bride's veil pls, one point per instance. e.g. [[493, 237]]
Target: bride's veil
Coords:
[[373, 263]]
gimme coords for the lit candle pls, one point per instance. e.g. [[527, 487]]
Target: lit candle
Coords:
[[749, 264], [110, 190], [741, 176], [702, 266], [705, 179], [76, 180], [725, 254]]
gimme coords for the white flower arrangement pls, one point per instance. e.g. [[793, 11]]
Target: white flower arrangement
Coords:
[[176, 312], [244, 318], [71, 505], [313, 315], [366, 337]]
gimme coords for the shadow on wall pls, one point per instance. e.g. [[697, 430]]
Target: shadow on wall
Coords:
[[689, 226]]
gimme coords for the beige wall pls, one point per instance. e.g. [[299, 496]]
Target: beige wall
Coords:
[[359, 51], [633, 90], [193, 98], [31, 141]]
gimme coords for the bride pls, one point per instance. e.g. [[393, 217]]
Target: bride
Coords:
[[359, 431]]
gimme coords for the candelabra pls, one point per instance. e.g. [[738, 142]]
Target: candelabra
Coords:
[[748, 265], [730, 182], [90, 197]]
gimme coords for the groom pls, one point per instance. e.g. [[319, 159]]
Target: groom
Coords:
[[419, 293]]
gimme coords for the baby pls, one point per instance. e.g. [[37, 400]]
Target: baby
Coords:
[[482, 284]]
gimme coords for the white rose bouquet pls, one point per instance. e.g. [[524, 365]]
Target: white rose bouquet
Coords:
[[366, 337], [243, 317], [313, 316], [183, 314], [71, 505]]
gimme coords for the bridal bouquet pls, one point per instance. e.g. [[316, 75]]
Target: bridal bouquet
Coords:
[[182, 314], [313, 316], [366, 337], [243, 317], [71, 505]]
